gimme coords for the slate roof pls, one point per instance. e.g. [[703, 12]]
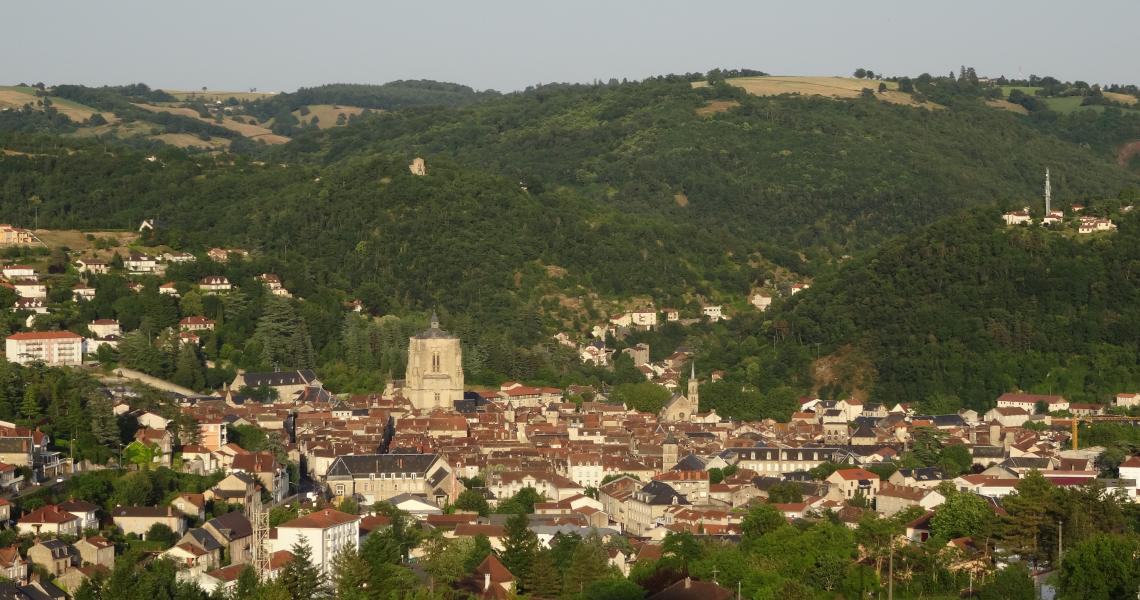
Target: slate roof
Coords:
[[232, 526], [364, 464], [662, 493], [301, 377]]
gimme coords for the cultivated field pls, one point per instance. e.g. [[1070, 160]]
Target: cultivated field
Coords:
[[1122, 98], [213, 96], [327, 114], [253, 132], [831, 87], [17, 97]]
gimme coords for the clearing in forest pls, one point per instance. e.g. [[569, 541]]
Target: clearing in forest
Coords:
[[831, 87], [327, 114]]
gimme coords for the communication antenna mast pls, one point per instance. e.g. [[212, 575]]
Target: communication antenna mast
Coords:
[[260, 548], [1048, 193]]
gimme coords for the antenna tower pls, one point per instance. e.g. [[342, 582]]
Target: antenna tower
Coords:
[[1048, 194]]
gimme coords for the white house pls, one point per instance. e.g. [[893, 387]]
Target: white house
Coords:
[[1017, 217], [760, 301], [326, 531], [714, 312]]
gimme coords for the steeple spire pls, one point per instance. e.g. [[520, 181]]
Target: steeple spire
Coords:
[[434, 320]]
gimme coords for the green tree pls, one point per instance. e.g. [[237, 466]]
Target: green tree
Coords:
[[588, 563], [283, 336], [761, 519], [473, 501], [1101, 567], [962, 515], [785, 492], [303, 580], [350, 575], [1011, 583], [161, 533], [543, 579], [520, 545]]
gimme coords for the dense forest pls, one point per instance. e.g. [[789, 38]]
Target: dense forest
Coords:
[[548, 209]]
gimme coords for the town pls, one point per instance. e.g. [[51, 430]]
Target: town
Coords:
[[276, 462]]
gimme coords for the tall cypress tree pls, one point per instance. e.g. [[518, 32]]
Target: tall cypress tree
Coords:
[[520, 545], [303, 580]]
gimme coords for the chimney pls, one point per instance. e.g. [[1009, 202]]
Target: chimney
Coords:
[[487, 581]]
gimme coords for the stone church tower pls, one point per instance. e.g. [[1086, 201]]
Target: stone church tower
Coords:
[[694, 391], [435, 369]]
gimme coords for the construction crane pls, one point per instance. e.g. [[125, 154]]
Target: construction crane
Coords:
[[1075, 428]]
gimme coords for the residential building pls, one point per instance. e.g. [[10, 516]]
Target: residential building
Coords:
[[96, 550], [13, 567], [196, 323], [214, 284], [16, 236], [327, 532], [104, 327], [49, 519], [86, 512], [264, 466], [53, 555], [92, 266], [139, 519], [849, 483], [53, 348], [288, 385], [375, 477], [234, 531]]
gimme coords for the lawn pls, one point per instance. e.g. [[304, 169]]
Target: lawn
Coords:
[[832, 87]]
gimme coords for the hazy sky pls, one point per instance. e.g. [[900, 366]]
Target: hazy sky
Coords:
[[282, 44]]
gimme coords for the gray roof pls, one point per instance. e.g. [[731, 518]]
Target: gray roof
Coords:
[[434, 332], [989, 451], [691, 462], [201, 538], [356, 465], [301, 377], [662, 493], [924, 474], [232, 526]]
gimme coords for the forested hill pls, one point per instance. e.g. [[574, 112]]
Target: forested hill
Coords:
[[389, 96], [823, 176], [967, 309]]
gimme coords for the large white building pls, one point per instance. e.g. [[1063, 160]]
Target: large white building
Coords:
[[327, 532], [53, 348], [435, 369]]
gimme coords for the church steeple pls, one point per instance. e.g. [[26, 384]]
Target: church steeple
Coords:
[[434, 320]]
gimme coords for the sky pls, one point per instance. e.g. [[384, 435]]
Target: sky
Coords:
[[280, 45]]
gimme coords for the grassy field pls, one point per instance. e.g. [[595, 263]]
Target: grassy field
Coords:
[[213, 96], [831, 87], [1007, 105], [326, 114], [253, 132], [76, 241], [1030, 91], [716, 106], [14, 96], [187, 140]]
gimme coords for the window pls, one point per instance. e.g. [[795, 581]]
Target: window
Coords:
[[340, 489], [435, 362]]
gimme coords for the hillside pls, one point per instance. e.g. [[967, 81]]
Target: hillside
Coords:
[[551, 209], [823, 176], [967, 309]]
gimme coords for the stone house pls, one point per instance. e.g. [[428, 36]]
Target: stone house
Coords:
[[139, 519]]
